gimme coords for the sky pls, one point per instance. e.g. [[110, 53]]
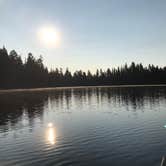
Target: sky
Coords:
[[93, 33]]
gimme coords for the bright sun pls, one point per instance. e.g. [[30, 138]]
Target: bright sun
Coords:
[[49, 36]]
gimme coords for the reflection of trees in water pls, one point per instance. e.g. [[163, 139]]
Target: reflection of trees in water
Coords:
[[14, 106], [67, 98], [81, 97], [34, 106], [60, 99], [64, 99], [136, 97]]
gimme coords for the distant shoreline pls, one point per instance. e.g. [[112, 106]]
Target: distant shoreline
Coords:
[[76, 87]]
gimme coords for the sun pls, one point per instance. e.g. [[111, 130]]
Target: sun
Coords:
[[49, 36]]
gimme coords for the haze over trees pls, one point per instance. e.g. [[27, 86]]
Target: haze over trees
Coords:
[[31, 73]]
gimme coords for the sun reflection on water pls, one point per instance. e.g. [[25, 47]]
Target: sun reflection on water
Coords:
[[50, 124], [51, 134]]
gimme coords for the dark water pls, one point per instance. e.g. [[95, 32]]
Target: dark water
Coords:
[[88, 126]]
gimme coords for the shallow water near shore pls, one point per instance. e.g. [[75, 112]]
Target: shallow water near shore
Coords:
[[83, 126]]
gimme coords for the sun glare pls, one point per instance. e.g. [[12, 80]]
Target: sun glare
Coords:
[[50, 124], [51, 134], [49, 36]]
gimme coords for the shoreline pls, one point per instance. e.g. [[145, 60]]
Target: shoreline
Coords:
[[76, 87]]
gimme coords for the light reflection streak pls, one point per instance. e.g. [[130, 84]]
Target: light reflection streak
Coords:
[[51, 134]]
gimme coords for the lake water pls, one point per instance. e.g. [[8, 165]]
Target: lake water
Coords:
[[83, 126]]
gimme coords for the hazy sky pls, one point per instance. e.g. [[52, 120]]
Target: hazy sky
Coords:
[[94, 33]]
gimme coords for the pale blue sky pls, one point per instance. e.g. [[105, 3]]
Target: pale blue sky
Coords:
[[95, 33]]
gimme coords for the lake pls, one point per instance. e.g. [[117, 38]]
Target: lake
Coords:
[[83, 126]]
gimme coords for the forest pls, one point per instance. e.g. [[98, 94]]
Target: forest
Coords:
[[32, 73]]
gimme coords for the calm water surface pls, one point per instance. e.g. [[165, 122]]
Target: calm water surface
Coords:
[[86, 126]]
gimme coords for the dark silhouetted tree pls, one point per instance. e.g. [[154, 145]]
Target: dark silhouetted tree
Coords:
[[14, 73]]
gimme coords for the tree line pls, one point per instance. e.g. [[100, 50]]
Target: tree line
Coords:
[[31, 73]]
